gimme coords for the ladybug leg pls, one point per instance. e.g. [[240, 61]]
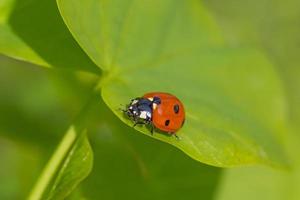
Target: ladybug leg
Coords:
[[122, 110], [177, 137], [151, 128], [137, 122]]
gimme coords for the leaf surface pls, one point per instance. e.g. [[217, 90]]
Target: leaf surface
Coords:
[[68, 166], [176, 47], [34, 31]]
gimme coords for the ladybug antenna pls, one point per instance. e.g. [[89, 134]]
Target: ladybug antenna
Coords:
[[121, 108]]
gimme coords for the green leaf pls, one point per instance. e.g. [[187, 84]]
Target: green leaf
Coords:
[[227, 123], [37, 105], [252, 183], [277, 33], [113, 32], [268, 184], [69, 165], [175, 47], [33, 31]]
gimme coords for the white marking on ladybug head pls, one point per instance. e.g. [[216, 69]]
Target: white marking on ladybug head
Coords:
[[150, 98]]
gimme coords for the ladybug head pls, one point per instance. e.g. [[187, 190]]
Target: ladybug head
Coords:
[[132, 108], [139, 108]]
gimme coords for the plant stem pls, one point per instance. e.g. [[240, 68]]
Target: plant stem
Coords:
[[53, 164]]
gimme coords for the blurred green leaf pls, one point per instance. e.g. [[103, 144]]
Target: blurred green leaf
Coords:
[[274, 27], [20, 164], [32, 117], [264, 183], [32, 30], [253, 183], [69, 165], [39, 111], [175, 47]]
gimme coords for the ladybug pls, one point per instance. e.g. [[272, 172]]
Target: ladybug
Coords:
[[160, 110]]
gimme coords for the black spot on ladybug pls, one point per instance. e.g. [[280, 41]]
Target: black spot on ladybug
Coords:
[[156, 100], [176, 108], [167, 122]]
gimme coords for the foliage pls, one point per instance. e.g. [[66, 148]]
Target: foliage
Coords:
[[238, 81]]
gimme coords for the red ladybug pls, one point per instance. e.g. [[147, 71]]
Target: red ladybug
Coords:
[[162, 110]]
